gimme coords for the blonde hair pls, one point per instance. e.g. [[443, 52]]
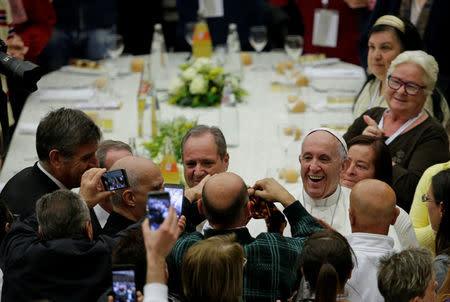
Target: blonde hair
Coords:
[[427, 62], [212, 270]]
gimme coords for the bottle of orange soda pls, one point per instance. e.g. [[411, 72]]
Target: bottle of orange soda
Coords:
[[169, 169], [202, 45]]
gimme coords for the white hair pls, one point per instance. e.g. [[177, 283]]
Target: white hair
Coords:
[[427, 62]]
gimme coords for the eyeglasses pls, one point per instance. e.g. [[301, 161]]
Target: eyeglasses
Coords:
[[411, 88], [426, 198]]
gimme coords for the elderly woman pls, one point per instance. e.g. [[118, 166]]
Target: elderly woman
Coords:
[[388, 37], [415, 139]]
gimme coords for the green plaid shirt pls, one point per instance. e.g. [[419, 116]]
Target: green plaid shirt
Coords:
[[271, 272]]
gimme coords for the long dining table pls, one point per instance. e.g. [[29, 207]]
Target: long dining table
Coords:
[[259, 153]]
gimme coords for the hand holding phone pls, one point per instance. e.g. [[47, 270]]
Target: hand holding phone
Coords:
[[158, 204], [124, 286], [176, 192]]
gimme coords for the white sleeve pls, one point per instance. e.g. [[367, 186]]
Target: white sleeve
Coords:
[[405, 230], [155, 292]]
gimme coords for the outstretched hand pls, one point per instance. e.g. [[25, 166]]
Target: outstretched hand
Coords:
[[195, 193]]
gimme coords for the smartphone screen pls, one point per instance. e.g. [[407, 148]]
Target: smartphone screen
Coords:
[[176, 192], [157, 208], [114, 180], [123, 285]]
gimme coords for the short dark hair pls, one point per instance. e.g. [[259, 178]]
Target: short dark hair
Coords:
[[405, 275], [5, 217], [107, 145], [229, 215], [327, 261], [441, 189], [62, 214], [383, 159], [199, 130], [66, 130], [131, 250]]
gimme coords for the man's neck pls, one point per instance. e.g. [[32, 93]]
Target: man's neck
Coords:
[[52, 173], [378, 230]]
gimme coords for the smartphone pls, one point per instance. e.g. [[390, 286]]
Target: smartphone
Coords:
[[115, 179], [124, 286], [176, 192], [158, 203]]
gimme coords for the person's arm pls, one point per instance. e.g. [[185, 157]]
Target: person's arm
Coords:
[[432, 149], [355, 129], [302, 223], [89, 187]]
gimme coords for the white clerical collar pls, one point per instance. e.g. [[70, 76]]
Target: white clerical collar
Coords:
[[326, 202], [57, 182]]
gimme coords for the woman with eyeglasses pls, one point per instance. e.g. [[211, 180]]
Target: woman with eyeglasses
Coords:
[[438, 204], [388, 37], [415, 139]]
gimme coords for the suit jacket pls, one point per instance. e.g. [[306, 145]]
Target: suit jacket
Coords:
[[23, 190], [65, 269], [270, 272], [115, 224]]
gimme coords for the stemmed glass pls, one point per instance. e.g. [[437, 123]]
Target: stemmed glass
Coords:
[[114, 45], [189, 29], [258, 40], [293, 44]]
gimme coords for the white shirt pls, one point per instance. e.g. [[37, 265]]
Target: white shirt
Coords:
[[102, 215], [368, 248], [155, 292]]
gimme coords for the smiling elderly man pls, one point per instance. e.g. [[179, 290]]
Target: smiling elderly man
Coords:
[[322, 158]]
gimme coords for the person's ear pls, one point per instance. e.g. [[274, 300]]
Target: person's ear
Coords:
[[7, 225], [350, 273], [397, 212], [226, 160], [200, 206], [40, 232], [55, 158], [128, 198], [89, 231]]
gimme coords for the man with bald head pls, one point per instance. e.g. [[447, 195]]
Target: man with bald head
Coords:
[[270, 273], [372, 212], [323, 156], [129, 205]]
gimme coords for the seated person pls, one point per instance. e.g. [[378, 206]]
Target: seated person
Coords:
[[269, 274], [419, 213], [217, 261], [438, 204], [369, 157], [326, 263], [415, 139], [389, 37], [407, 276]]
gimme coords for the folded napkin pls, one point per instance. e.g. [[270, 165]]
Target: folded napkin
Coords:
[[65, 94], [111, 105], [334, 72]]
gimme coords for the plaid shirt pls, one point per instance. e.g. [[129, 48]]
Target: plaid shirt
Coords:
[[271, 272]]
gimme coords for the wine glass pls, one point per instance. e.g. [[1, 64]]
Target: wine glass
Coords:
[[258, 40], [189, 32], [114, 46], [293, 44]]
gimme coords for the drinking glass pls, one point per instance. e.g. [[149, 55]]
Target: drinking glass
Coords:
[[293, 44], [114, 45], [258, 40]]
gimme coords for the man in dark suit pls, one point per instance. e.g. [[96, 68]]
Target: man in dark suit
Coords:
[[66, 141], [129, 205], [59, 261]]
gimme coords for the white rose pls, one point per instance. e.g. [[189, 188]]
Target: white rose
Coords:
[[189, 73], [202, 64], [198, 85], [175, 85]]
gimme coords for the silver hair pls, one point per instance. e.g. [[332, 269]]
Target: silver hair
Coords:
[[107, 145], [405, 275], [62, 214], [429, 66]]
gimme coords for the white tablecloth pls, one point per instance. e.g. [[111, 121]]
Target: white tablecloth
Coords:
[[259, 153]]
